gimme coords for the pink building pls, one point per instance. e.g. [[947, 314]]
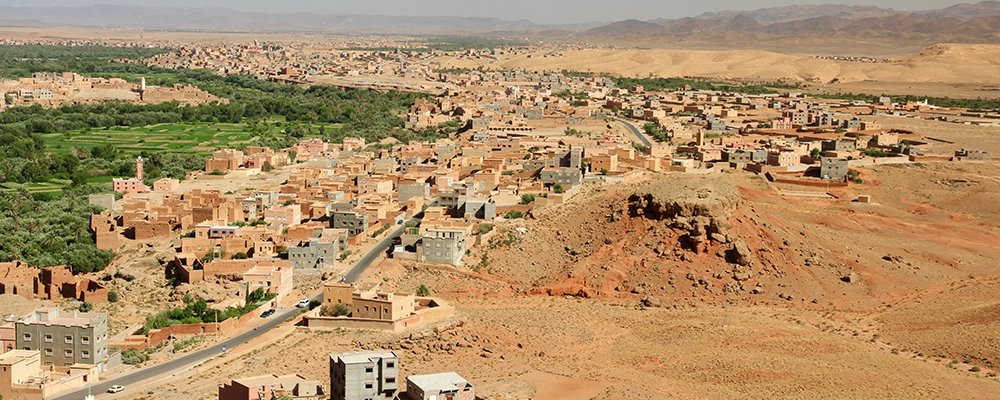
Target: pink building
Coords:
[[782, 124], [275, 279], [131, 185], [782, 158]]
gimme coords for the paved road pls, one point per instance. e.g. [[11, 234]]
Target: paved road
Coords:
[[635, 132], [161, 370], [380, 248], [377, 251]]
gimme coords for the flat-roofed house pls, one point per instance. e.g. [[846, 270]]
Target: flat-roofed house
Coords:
[[271, 387], [440, 386], [366, 375]]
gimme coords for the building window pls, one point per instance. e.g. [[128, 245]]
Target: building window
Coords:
[[390, 364], [68, 353], [369, 370], [68, 339], [368, 386], [27, 337], [48, 338], [48, 352], [85, 354], [390, 380], [84, 340]]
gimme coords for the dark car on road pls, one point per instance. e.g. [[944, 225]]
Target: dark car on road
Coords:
[[267, 313]]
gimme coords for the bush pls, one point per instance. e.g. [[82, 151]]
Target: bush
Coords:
[[256, 296], [335, 310], [514, 215], [423, 291], [267, 167], [876, 153], [87, 307], [134, 357], [557, 188], [112, 296], [527, 198], [485, 228], [240, 256]]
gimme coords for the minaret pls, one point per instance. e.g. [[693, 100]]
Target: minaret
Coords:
[[138, 168], [142, 89]]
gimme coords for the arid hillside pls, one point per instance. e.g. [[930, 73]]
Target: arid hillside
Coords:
[[707, 287], [941, 63]]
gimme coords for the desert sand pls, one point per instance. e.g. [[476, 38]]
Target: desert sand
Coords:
[[941, 70]]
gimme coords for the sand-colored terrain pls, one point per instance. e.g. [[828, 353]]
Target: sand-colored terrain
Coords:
[[941, 70], [838, 300]]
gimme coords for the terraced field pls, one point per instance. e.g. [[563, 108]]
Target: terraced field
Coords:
[[198, 138], [55, 185]]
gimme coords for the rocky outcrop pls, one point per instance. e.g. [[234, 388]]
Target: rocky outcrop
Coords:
[[702, 212]]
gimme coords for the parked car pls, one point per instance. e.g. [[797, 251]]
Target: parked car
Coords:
[[267, 313], [116, 388], [304, 303]]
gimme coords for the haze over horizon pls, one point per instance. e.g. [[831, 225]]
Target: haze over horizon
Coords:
[[538, 11]]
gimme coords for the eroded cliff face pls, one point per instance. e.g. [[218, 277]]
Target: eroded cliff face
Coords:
[[701, 213]]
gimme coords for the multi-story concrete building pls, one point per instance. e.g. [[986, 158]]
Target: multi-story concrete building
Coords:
[[356, 222], [441, 386], [839, 145], [477, 207], [80, 338], [409, 190], [833, 168], [736, 156], [572, 159], [566, 177], [316, 254], [442, 246], [368, 375]]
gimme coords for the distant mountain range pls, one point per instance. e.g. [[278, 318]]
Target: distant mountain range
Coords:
[[219, 19], [979, 22]]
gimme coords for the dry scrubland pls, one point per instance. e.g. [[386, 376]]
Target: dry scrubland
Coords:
[[941, 70]]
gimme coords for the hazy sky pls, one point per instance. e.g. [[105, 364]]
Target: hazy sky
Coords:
[[541, 11]]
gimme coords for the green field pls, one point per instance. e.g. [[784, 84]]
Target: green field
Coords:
[[52, 186], [195, 138]]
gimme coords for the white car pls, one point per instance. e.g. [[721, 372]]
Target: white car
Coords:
[[303, 303], [116, 388]]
